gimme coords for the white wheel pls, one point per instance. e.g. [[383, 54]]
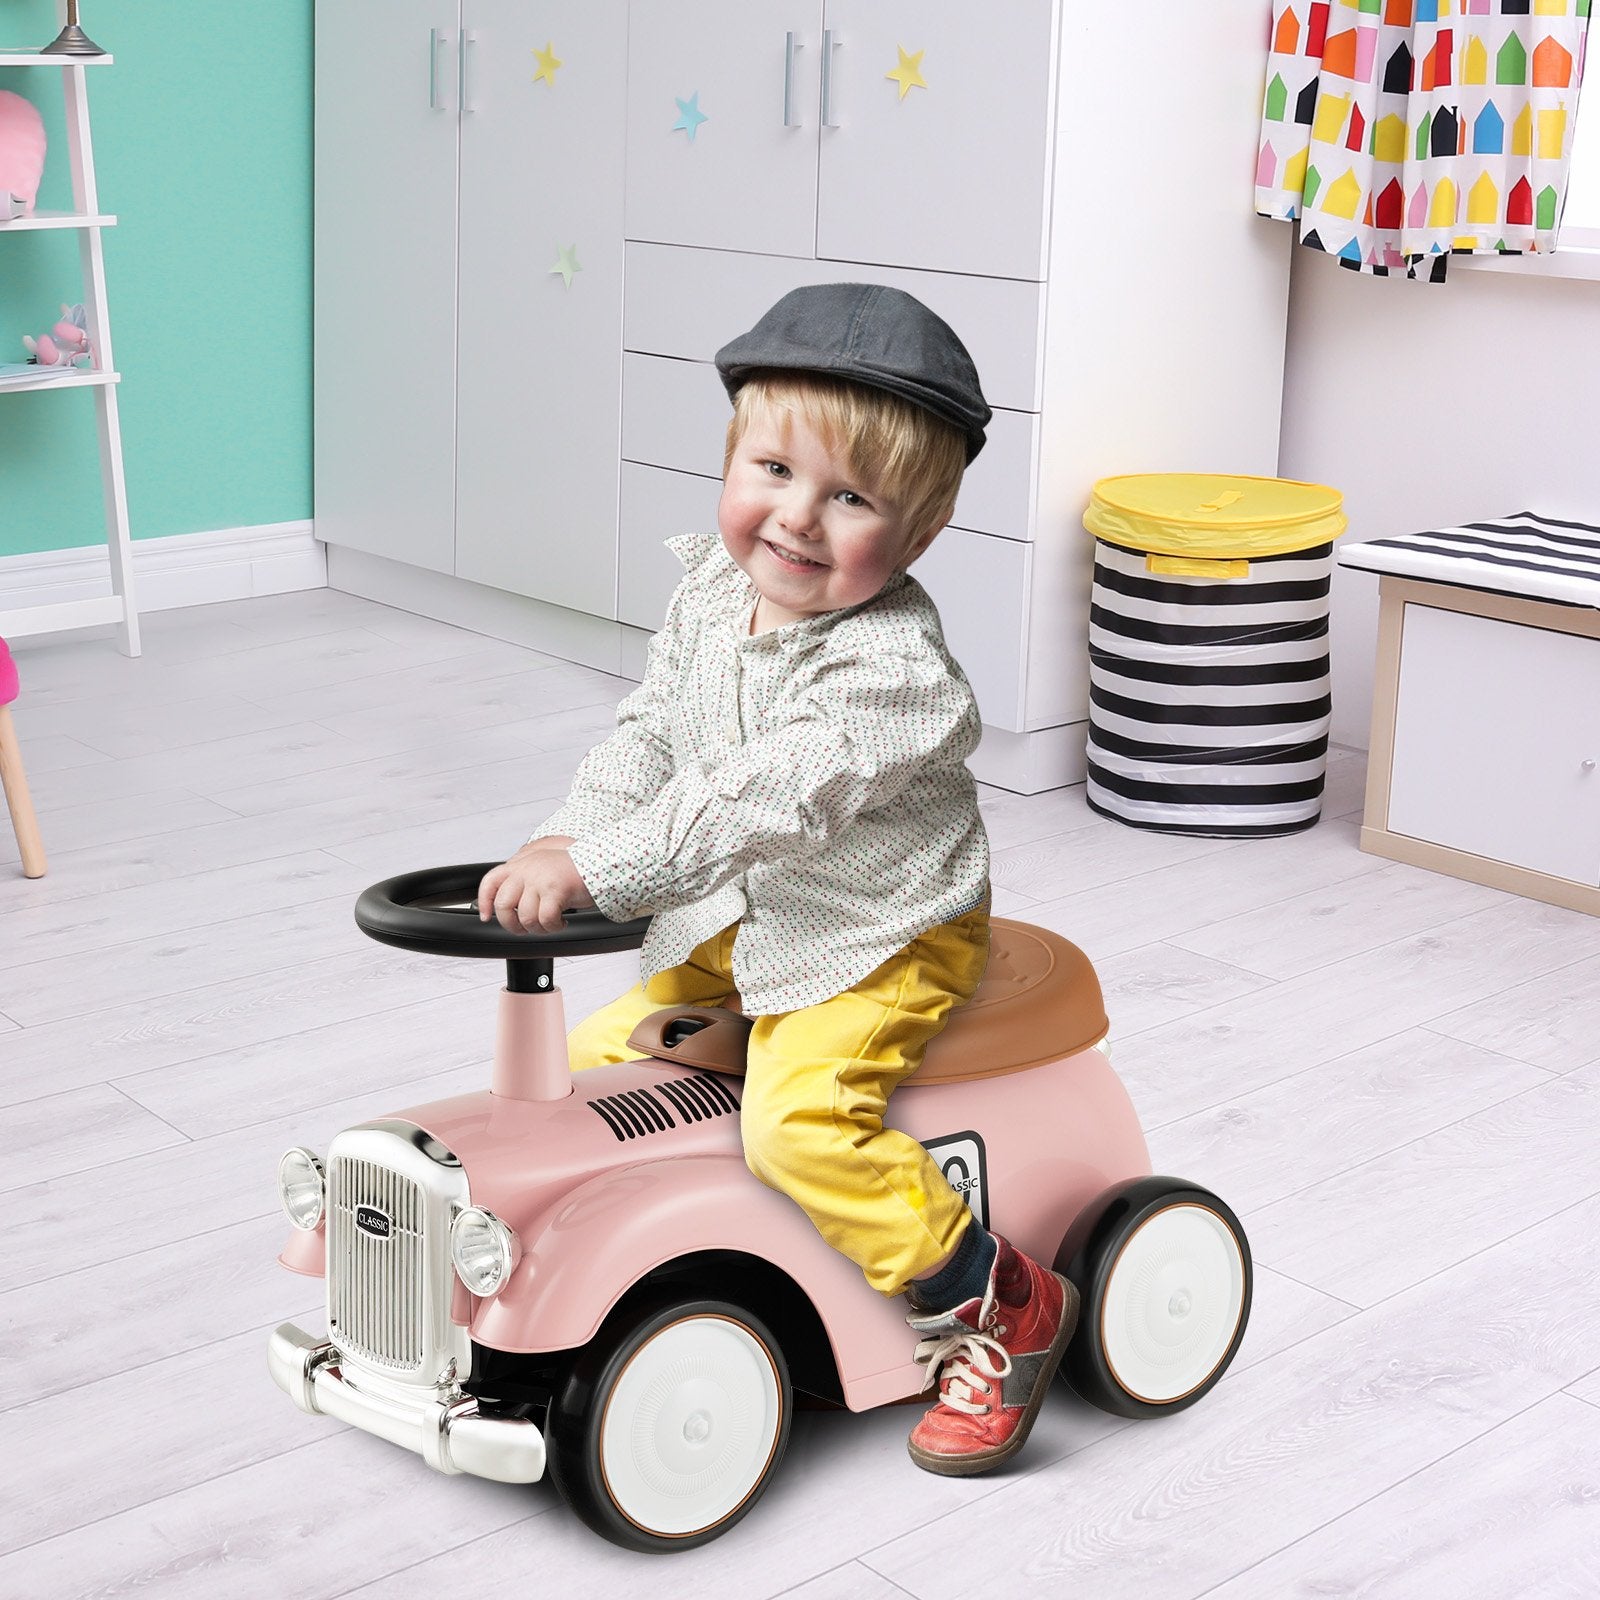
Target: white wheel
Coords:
[[690, 1426], [671, 1426], [1163, 1267], [1172, 1303]]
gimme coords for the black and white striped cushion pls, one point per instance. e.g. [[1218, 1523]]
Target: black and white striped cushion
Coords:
[[1209, 698], [1527, 554]]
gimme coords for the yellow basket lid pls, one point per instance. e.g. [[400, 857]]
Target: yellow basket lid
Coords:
[[1213, 514]]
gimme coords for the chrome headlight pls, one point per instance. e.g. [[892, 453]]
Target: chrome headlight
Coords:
[[302, 1188], [485, 1251]]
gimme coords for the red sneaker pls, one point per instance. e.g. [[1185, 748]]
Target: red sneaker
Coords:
[[994, 1358]]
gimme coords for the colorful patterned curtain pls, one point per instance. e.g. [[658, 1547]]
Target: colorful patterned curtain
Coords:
[[1399, 131]]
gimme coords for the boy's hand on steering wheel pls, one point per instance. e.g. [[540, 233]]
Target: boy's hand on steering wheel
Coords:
[[529, 892]]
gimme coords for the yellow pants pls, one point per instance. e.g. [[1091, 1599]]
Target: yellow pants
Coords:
[[816, 1086]]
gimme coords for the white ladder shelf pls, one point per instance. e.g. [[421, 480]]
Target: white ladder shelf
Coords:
[[87, 219]]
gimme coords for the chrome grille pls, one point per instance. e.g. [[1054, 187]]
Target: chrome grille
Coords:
[[390, 1283], [375, 1290]]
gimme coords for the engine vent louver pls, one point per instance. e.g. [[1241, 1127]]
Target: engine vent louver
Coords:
[[637, 1112]]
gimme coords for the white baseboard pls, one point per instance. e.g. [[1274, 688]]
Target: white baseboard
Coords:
[[1030, 763], [197, 569], [598, 642], [184, 569]]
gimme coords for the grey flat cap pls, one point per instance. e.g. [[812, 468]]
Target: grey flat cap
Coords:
[[870, 334]]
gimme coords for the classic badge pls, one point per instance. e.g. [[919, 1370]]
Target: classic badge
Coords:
[[961, 1159]]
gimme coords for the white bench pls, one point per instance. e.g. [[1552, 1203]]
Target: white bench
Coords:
[[1486, 705]]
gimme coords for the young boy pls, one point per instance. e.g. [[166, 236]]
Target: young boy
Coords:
[[787, 795]]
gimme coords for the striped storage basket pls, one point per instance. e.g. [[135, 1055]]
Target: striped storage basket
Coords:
[[1208, 652]]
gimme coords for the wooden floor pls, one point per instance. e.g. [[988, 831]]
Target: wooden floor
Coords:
[[1393, 1077]]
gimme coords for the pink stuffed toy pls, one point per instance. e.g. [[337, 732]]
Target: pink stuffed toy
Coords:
[[66, 344], [21, 154]]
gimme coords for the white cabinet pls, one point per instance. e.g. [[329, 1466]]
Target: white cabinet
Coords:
[[683, 303], [950, 177], [1496, 741], [808, 148], [384, 326], [1486, 740], [1062, 188], [743, 179], [539, 365], [466, 417]]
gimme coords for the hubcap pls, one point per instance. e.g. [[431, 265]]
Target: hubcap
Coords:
[[690, 1425], [1172, 1303]]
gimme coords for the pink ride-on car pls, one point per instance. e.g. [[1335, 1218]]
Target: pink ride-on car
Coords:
[[579, 1274]]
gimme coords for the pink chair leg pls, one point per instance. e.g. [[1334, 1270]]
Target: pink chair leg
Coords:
[[15, 783]]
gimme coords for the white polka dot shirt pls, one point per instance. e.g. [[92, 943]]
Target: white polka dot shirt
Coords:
[[809, 782]]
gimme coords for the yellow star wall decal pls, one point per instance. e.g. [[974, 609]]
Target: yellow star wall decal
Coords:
[[566, 262], [908, 74], [547, 64]]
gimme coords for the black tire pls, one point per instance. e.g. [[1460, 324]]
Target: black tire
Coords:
[[721, 1356], [1133, 1354]]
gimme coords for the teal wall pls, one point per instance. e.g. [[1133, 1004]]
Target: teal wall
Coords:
[[202, 133]]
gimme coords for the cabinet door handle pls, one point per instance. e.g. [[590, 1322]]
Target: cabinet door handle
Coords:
[[1588, 765], [435, 40], [789, 48], [467, 38], [829, 40]]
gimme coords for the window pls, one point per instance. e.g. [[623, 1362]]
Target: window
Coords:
[[1580, 217]]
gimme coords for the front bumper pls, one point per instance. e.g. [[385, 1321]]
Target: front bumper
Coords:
[[446, 1431]]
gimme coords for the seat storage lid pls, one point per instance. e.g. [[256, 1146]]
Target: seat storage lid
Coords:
[[1039, 1001], [1213, 514]]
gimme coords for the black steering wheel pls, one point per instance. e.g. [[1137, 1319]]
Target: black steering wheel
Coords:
[[436, 911]]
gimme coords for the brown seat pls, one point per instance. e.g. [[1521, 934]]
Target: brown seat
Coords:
[[1039, 1000]]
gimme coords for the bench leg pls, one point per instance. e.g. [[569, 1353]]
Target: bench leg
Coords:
[[15, 783]]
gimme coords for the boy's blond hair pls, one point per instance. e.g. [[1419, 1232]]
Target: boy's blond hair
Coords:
[[896, 448]]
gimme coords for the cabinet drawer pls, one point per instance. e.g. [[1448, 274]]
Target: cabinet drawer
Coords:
[[657, 505], [689, 303], [979, 584], [1494, 723], [675, 414]]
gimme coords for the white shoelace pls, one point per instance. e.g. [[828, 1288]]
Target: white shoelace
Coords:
[[953, 1359]]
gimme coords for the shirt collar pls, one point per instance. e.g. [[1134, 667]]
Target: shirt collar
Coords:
[[793, 636]]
